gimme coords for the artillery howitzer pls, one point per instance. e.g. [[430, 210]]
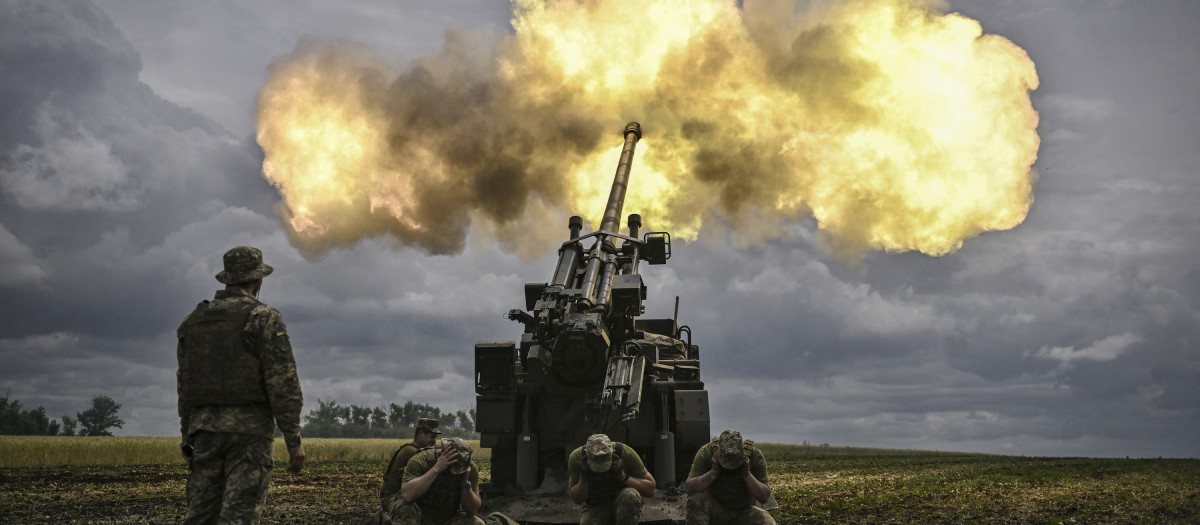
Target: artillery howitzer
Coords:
[[586, 365]]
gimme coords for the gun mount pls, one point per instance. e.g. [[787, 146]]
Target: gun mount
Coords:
[[585, 364]]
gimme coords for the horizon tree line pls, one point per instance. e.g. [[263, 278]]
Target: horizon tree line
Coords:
[[328, 420], [396, 421], [95, 421]]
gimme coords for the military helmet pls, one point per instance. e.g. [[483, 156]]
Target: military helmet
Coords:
[[242, 265], [428, 424], [728, 451], [464, 454], [599, 451]]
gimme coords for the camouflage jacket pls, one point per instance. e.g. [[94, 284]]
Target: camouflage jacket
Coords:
[[267, 335]]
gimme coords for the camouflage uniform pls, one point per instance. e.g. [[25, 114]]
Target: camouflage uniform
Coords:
[[727, 501], [231, 473], [442, 503], [231, 436], [609, 501], [393, 477]]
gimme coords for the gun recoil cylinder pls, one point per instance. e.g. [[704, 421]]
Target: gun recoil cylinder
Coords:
[[575, 224]]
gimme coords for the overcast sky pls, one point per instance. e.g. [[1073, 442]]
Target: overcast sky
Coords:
[[128, 165]]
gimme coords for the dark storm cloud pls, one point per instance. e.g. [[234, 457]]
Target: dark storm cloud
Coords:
[[87, 146], [21, 266], [785, 313], [107, 192]]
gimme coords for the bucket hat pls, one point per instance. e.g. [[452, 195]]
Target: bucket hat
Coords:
[[242, 265]]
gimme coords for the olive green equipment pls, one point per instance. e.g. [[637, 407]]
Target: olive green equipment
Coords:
[[587, 364]]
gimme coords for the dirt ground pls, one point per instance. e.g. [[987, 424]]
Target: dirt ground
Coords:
[[811, 489]]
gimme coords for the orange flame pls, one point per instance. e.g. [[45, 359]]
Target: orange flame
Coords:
[[895, 126]]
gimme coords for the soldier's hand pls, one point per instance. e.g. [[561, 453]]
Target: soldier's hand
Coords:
[[188, 453], [446, 457], [296, 460]]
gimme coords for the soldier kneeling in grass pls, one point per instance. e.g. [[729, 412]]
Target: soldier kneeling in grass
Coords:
[[609, 480], [441, 487], [424, 435]]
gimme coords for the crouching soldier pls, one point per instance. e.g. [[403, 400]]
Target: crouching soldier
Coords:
[[609, 480], [728, 475], [424, 436], [440, 487]]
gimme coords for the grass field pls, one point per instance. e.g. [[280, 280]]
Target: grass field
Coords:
[[141, 480]]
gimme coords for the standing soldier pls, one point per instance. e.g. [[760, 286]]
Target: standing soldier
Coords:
[[441, 487], [237, 380], [424, 436], [727, 476], [609, 480]]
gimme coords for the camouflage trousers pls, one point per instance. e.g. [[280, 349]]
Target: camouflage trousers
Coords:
[[703, 510], [401, 513], [625, 510], [393, 506], [231, 474]]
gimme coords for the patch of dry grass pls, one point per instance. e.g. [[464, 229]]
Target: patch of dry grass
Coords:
[[23, 451]]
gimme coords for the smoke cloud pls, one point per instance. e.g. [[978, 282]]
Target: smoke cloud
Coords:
[[894, 125]]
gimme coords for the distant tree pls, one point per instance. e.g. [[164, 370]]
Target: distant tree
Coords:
[[360, 416], [422, 410], [397, 422], [446, 421], [396, 416], [97, 421], [466, 421], [325, 421], [14, 421], [10, 416], [326, 412], [38, 424], [69, 425], [379, 419]]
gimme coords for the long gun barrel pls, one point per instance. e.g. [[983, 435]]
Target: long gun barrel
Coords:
[[597, 279], [616, 197]]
